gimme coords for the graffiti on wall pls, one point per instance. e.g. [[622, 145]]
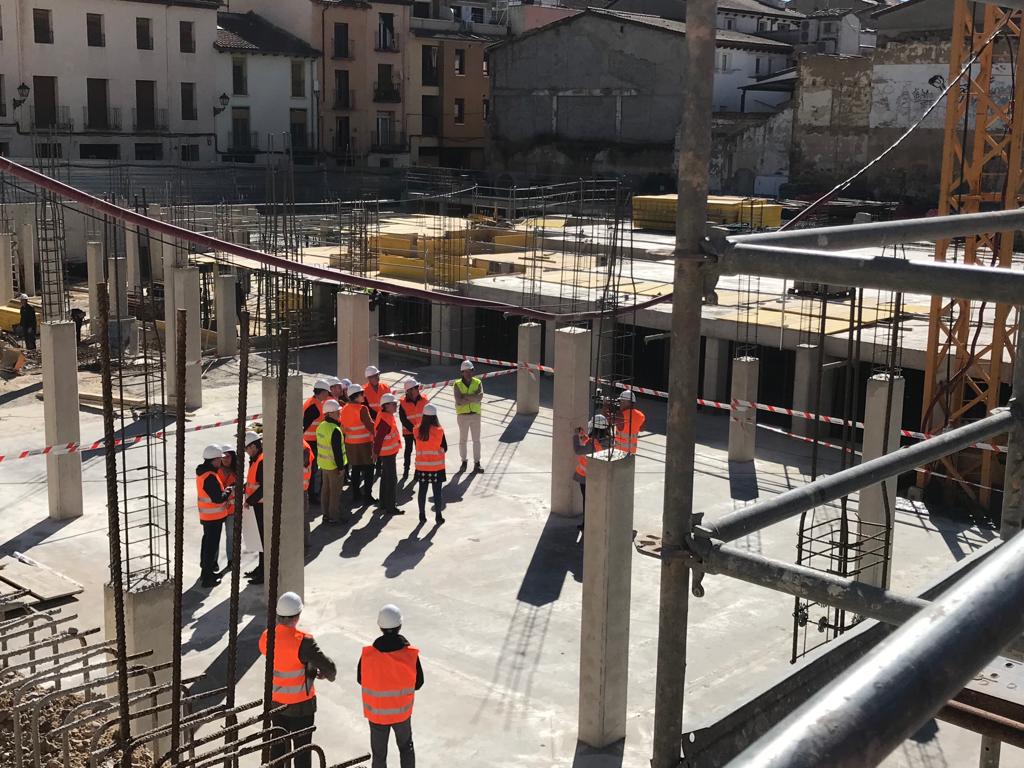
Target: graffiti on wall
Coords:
[[901, 93]]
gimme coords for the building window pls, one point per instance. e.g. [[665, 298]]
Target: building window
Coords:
[[99, 151], [387, 38], [190, 153], [828, 28], [723, 63], [342, 95], [342, 49], [421, 10], [342, 135], [42, 23], [47, 151], [487, 108], [149, 151], [460, 61], [460, 111], [97, 99], [242, 137], [187, 36], [476, 15], [457, 12], [428, 70], [1, 27], [188, 102], [762, 25], [144, 34], [3, 97], [298, 78], [486, 65], [5, 148], [298, 126], [239, 78], [94, 30], [757, 65], [146, 115], [729, 22]]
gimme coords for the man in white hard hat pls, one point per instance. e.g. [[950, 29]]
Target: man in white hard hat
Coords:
[[387, 442], [374, 389], [587, 442], [228, 472], [254, 494], [298, 661], [29, 324], [358, 428], [469, 394], [629, 420], [389, 673], [215, 504], [330, 458], [338, 387], [410, 413], [312, 415]]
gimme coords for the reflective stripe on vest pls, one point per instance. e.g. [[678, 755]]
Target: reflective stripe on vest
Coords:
[[307, 463], [210, 510], [581, 461], [627, 438], [310, 434], [352, 424], [393, 442], [429, 455], [373, 396], [290, 684], [251, 485], [474, 386], [389, 684], [413, 412], [324, 449]]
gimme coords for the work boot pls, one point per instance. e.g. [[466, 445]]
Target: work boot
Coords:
[[438, 519], [210, 581], [256, 576], [478, 469], [394, 511], [463, 465], [423, 518]]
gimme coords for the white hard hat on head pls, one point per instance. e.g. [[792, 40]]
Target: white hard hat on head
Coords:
[[388, 398], [225, 448], [23, 296], [371, 370], [627, 395], [212, 451], [334, 381], [411, 384], [289, 604], [346, 383], [389, 617], [323, 384], [598, 422], [331, 406], [354, 389], [430, 409], [467, 365], [252, 437]]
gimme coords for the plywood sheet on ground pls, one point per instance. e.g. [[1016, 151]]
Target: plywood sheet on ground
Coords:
[[41, 582]]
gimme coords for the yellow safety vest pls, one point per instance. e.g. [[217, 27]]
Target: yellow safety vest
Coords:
[[474, 387], [324, 450]]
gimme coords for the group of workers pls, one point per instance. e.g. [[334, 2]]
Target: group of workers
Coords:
[[627, 419]]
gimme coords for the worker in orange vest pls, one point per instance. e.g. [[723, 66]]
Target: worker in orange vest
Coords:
[[628, 422], [410, 412], [228, 474], [338, 388], [587, 442], [214, 502], [298, 660], [389, 673], [387, 442], [312, 415], [308, 462], [431, 447], [374, 389], [357, 426], [254, 494]]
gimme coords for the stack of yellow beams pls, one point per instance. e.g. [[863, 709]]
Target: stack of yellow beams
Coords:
[[659, 211]]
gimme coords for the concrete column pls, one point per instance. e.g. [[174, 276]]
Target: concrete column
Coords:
[[871, 511], [186, 296], [716, 369], [549, 343], [226, 305], [528, 381], [118, 282], [6, 269], [27, 251], [604, 626], [170, 320], [441, 333], [292, 559], [131, 251], [571, 411], [373, 344], [60, 418], [743, 419], [156, 250], [805, 376], [353, 335], [96, 273]]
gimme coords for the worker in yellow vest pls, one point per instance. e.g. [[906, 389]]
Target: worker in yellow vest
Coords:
[[330, 458], [469, 394], [214, 502], [387, 442], [389, 673], [312, 415], [298, 661], [628, 422]]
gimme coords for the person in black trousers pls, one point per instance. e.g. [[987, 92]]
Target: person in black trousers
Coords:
[[29, 325], [214, 503]]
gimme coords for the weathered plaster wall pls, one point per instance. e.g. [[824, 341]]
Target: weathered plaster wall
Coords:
[[752, 158]]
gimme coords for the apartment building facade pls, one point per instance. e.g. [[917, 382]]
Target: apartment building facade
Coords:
[[108, 79]]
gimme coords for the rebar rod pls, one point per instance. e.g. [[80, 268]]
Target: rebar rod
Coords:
[[832, 487], [114, 523], [180, 351]]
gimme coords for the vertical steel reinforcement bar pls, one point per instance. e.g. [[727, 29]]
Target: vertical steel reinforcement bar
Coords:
[[236, 529], [179, 527]]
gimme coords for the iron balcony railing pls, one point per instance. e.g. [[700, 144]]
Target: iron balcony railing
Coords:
[[344, 100], [387, 92], [55, 118], [149, 120], [386, 41], [388, 142], [243, 141], [96, 119]]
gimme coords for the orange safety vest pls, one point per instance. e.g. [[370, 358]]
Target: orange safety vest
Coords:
[[581, 461], [210, 510], [352, 424], [310, 434], [307, 467], [392, 443], [429, 456], [389, 684], [227, 477], [291, 684], [413, 412], [373, 396], [251, 484], [627, 438]]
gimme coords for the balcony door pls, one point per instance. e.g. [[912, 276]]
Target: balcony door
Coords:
[[96, 94], [44, 92], [145, 105]]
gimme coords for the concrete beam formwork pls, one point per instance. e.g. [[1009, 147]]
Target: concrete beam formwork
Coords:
[[186, 296], [880, 437], [528, 381], [353, 335], [226, 305], [292, 558], [716, 369], [607, 571], [571, 411], [27, 252], [743, 419], [6, 269], [59, 348], [96, 273]]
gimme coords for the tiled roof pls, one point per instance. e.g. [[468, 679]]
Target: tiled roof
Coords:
[[757, 8], [251, 33], [724, 37]]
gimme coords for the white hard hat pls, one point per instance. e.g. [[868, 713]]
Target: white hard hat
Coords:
[[388, 398], [389, 617], [411, 384], [323, 384], [430, 410], [354, 389], [212, 451], [598, 422], [334, 381], [23, 297], [346, 383], [289, 604], [371, 370], [252, 437], [331, 406], [627, 395], [225, 448], [467, 365]]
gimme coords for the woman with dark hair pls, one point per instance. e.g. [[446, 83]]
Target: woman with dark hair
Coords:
[[431, 447]]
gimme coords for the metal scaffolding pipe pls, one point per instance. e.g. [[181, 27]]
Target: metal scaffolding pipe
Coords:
[[883, 233], [883, 698], [1003, 286], [832, 487]]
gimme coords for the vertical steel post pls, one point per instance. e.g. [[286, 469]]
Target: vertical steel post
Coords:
[[694, 158], [236, 529], [1013, 476], [179, 531]]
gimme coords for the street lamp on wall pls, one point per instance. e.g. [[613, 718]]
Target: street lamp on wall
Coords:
[[23, 92], [224, 100]]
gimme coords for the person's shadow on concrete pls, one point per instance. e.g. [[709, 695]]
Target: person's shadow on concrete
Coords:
[[360, 537], [409, 552], [455, 489]]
